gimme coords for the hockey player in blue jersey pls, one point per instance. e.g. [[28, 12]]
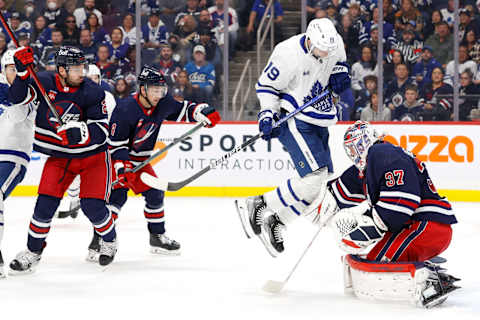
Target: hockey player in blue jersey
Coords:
[[16, 126], [298, 70], [134, 128], [78, 147], [387, 198]]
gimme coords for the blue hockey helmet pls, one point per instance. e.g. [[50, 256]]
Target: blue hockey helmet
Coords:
[[358, 138]]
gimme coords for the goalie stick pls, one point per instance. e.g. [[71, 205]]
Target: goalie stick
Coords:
[[162, 151], [32, 72], [164, 185]]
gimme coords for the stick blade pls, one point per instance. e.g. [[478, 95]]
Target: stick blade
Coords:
[[272, 286], [154, 182]]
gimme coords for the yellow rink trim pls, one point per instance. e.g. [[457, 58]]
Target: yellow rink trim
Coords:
[[452, 195]]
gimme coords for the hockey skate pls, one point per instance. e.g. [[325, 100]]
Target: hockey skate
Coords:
[[107, 252], [161, 244], [70, 209], [25, 262], [272, 235], [439, 284], [94, 248], [251, 211], [2, 273]]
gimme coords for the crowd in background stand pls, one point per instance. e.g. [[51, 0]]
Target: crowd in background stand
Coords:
[[417, 57], [184, 39]]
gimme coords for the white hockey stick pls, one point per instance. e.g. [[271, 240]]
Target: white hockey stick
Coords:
[[160, 184], [273, 286]]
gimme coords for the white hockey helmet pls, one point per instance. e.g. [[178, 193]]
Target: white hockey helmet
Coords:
[[358, 138], [324, 38], [93, 70], [7, 59]]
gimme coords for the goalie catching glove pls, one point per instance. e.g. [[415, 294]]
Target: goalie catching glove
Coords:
[[74, 133], [356, 228], [205, 113]]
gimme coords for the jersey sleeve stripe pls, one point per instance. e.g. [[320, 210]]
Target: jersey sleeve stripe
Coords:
[[395, 208], [267, 86], [400, 201], [400, 194], [268, 91], [118, 143], [348, 193], [440, 203]]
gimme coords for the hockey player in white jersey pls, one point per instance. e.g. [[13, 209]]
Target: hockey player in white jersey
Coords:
[[71, 203], [16, 130], [298, 70]]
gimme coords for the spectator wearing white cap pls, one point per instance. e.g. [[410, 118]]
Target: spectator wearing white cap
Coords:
[[201, 73]]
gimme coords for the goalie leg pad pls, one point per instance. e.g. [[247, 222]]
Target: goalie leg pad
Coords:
[[411, 282], [421, 241]]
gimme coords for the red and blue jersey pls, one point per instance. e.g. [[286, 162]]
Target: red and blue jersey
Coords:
[[134, 129], [397, 185], [83, 103]]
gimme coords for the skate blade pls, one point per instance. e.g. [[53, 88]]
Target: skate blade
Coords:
[[243, 215], [164, 252], [266, 242], [16, 273], [441, 299], [272, 286], [92, 256]]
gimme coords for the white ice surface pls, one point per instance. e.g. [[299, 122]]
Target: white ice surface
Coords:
[[218, 276]]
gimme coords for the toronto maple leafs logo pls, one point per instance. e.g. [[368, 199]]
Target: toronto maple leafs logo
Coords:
[[315, 91], [324, 105]]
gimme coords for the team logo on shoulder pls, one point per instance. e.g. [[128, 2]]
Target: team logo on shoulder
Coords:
[[52, 94], [144, 133], [112, 130], [68, 111], [431, 186]]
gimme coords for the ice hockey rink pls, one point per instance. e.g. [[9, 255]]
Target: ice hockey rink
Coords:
[[218, 276]]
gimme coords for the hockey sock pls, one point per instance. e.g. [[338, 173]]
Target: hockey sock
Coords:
[[1, 217], [101, 218], [116, 202], [154, 212], [291, 198], [40, 223]]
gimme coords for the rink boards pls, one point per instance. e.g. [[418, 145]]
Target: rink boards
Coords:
[[450, 151]]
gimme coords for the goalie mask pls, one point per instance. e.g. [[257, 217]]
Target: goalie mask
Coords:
[[323, 37], [357, 140]]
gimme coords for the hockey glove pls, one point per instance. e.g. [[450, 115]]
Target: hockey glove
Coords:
[[266, 123], [74, 133], [123, 170], [204, 113], [339, 79], [357, 229], [23, 57]]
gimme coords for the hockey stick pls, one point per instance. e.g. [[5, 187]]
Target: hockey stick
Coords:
[[32, 72], [160, 184], [162, 151], [273, 286]]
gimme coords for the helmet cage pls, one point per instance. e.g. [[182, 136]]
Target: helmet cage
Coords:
[[357, 141]]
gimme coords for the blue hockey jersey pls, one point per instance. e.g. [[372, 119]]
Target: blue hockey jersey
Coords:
[[397, 185], [84, 103], [134, 129]]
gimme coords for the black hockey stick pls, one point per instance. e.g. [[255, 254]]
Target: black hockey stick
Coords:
[[32, 72], [162, 151], [159, 184]]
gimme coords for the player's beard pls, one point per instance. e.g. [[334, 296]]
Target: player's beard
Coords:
[[74, 82]]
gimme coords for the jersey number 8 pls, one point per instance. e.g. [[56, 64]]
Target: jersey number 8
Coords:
[[271, 71]]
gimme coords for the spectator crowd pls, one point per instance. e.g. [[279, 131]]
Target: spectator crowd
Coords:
[[418, 53], [185, 38]]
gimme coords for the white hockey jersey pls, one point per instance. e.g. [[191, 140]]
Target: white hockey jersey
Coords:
[[293, 77], [16, 127]]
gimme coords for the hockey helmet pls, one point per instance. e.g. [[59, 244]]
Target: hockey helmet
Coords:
[[323, 37], [93, 70], [68, 56], [358, 138], [7, 59], [149, 76]]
